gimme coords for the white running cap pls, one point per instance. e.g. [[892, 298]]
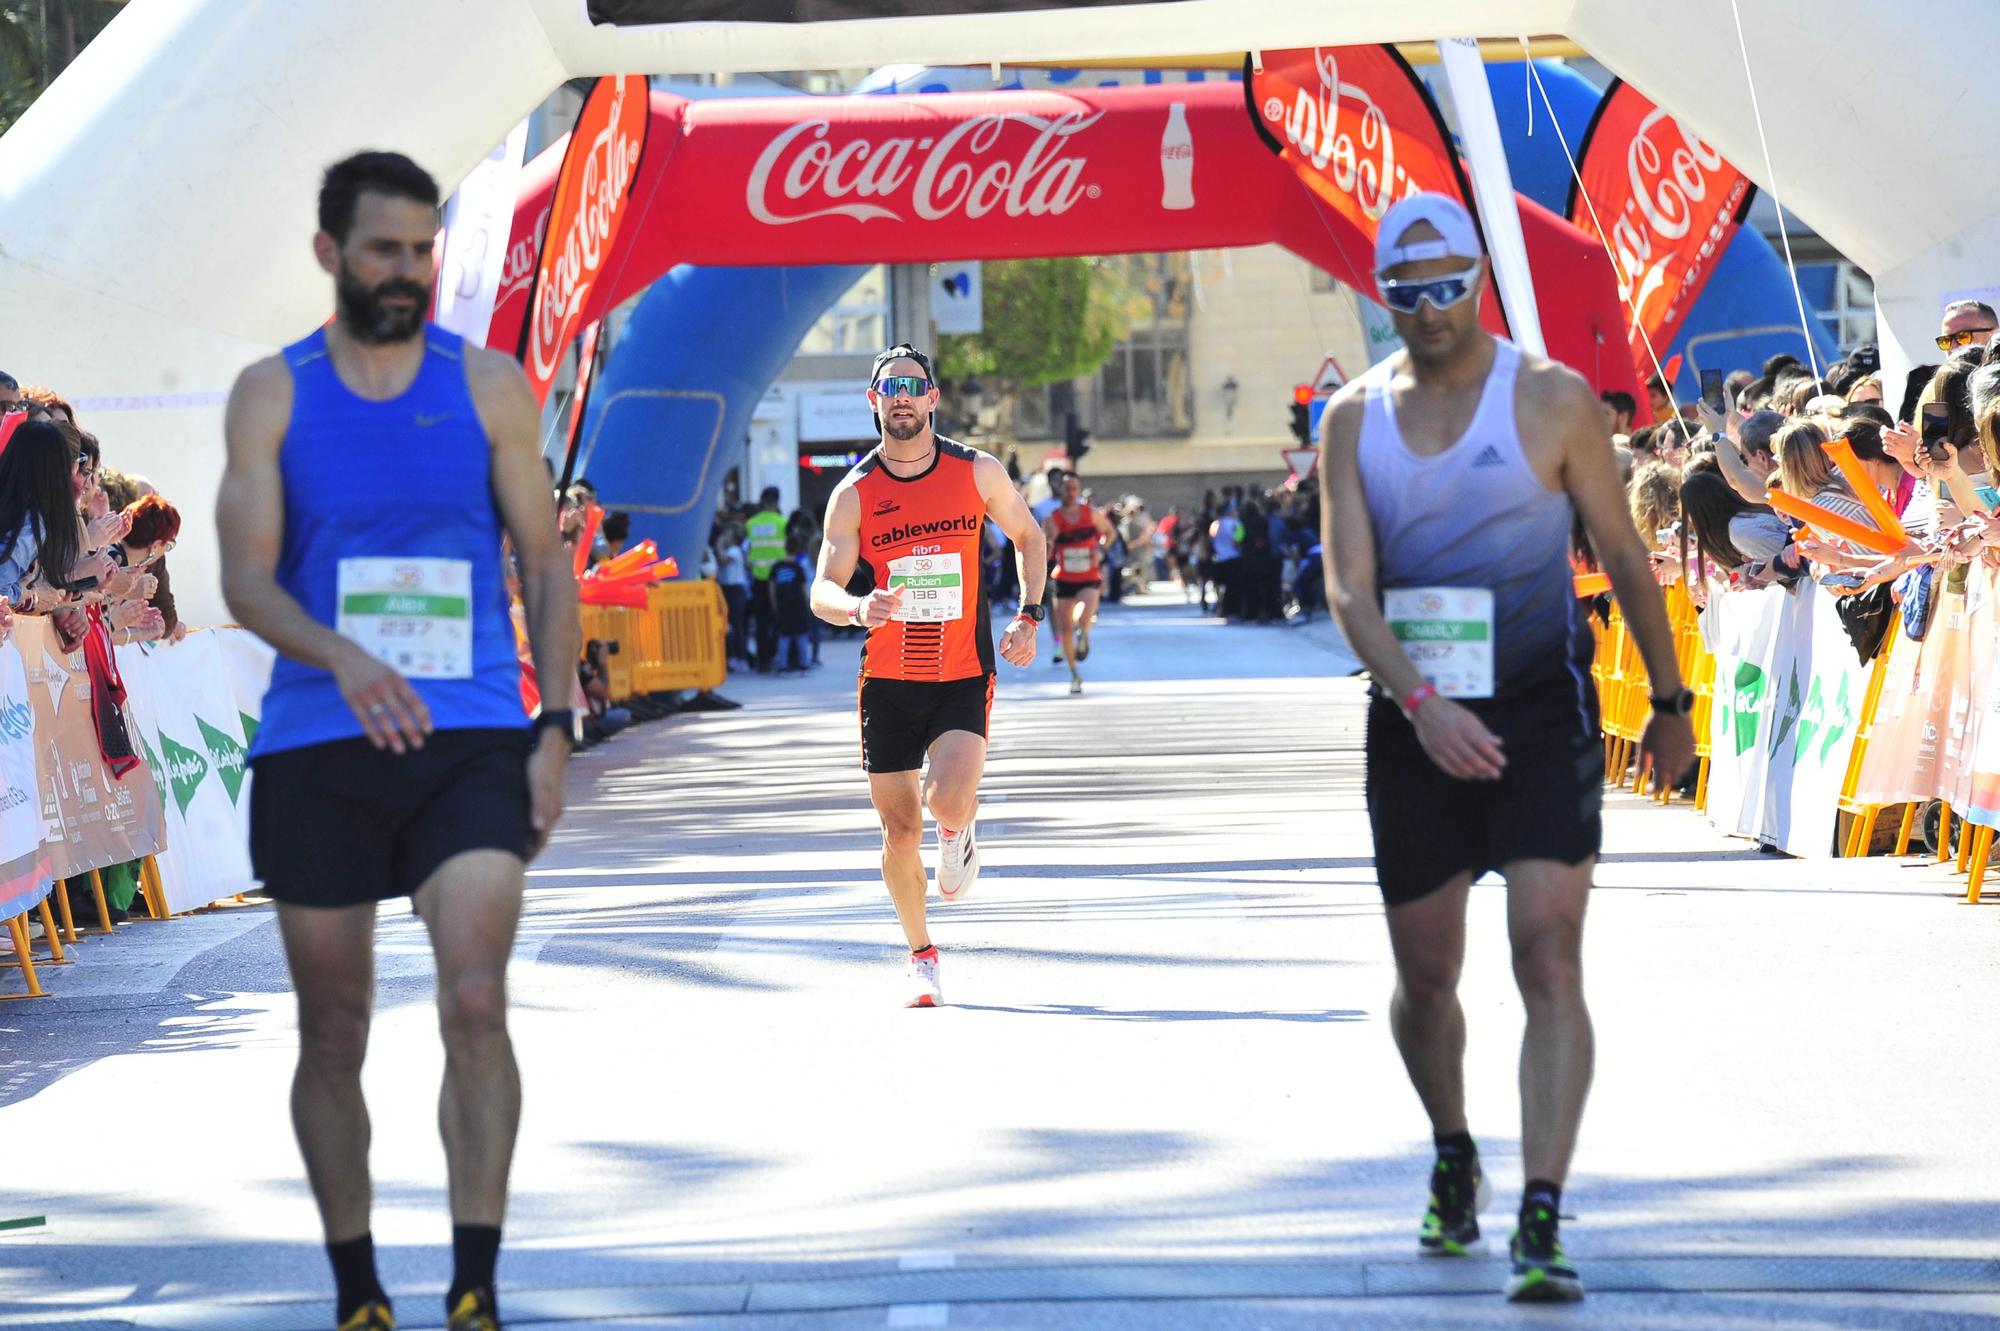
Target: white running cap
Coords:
[[1448, 215]]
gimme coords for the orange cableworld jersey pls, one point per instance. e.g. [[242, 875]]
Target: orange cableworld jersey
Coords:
[[922, 533]]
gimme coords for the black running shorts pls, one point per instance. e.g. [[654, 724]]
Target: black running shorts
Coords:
[[1547, 804], [900, 718], [346, 823], [1069, 591]]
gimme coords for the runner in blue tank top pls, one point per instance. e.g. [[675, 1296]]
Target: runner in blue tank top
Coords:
[[1454, 473], [396, 757]]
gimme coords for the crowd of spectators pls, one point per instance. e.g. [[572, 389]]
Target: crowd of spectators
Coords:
[[1700, 480], [84, 546]]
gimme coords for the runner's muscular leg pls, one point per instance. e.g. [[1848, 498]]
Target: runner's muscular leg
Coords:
[[331, 953], [471, 905], [1545, 907], [898, 801], [1065, 619], [1427, 938], [951, 787]]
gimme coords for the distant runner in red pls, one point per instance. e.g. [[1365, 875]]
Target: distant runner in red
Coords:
[[1077, 535], [902, 557]]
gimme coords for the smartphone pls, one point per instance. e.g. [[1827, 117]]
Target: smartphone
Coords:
[[1711, 390], [88, 584], [1850, 582], [1936, 425]]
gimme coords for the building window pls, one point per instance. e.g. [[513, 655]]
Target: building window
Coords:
[[857, 323], [1145, 389]]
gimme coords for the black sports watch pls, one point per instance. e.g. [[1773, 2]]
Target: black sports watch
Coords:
[[1674, 704], [1036, 612], [559, 719]]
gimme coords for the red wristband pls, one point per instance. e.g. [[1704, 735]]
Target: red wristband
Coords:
[[1420, 695]]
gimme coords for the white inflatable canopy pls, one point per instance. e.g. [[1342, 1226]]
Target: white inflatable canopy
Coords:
[[156, 204]]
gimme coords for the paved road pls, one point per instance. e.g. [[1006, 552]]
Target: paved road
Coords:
[[1163, 1094]]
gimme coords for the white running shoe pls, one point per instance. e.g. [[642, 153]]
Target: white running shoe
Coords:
[[1076, 683], [958, 864], [922, 983]]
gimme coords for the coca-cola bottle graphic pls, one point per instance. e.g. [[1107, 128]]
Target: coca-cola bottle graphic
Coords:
[[1177, 160]]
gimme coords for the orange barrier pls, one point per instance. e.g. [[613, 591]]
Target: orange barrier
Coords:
[[677, 641]]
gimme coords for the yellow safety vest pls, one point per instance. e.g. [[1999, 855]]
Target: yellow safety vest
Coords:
[[767, 543]]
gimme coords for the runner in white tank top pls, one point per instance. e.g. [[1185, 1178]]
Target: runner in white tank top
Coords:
[[1452, 476]]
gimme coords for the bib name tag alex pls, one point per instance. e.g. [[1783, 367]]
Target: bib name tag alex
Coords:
[[933, 587], [412, 614], [1076, 559], [1447, 633]]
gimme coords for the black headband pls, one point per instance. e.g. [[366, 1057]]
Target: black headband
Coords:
[[902, 351]]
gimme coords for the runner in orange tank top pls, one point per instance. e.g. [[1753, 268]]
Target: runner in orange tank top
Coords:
[[902, 556], [1078, 536]]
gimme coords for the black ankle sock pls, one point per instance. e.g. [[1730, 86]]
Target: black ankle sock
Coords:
[[1541, 1192], [1455, 1145], [475, 1251], [354, 1278]]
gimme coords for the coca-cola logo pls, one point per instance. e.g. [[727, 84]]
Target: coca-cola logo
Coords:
[[518, 268], [603, 178], [1670, 179], [1351, 146], [803, 173]]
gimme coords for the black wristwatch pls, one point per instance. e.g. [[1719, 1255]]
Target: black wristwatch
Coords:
[[1037, 612], [562, 719], [1674, 704]]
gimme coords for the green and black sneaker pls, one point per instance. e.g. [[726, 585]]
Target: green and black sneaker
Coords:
[[1458, 1195], [1541, 1273]]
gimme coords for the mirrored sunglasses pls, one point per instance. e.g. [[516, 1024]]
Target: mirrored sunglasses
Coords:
[[908, 385], [1442, 292]]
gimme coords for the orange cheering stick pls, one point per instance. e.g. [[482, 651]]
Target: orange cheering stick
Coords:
[[1592, 584], [1841, 451], [1829, 523]]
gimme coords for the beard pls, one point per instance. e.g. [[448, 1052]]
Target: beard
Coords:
[[364, 314], [903, 431]]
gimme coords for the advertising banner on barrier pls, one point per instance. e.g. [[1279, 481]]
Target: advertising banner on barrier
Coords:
[[195, 733], [91, 819], [24, 862], [1928, 741], [1788, 695], [1671, 204]]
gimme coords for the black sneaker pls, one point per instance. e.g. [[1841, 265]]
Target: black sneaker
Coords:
[[1541, 1273], [1458, 1194]]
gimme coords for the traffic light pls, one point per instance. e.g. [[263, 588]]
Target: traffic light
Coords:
[[1302, 429], [1074, 436]]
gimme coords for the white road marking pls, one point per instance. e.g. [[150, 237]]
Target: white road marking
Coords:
[[919, 1314]]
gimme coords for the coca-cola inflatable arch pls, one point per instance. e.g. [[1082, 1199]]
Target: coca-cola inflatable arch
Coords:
[[937, 178]]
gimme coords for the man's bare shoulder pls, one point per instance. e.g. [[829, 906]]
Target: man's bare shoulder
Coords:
[[260, 404], [495, 377], [1341, 421], [1552, 386]]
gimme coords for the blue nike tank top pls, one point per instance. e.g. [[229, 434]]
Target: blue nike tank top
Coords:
[[410, 478]]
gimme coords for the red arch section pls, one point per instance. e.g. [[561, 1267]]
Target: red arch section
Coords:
[[954, 176]]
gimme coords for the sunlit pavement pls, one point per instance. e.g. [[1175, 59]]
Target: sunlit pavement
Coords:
[[1163, 1093]]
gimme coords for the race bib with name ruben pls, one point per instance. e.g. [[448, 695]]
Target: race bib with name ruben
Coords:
[[1447, 632], [412, 614], [933, 587]]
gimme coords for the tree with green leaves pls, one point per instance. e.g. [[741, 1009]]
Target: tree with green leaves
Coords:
[[1046, 320], [38, 40]]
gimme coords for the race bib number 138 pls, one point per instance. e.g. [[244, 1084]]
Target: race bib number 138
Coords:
[[933, 587]]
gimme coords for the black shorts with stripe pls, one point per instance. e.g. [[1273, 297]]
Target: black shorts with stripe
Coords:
[[902, 718]]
